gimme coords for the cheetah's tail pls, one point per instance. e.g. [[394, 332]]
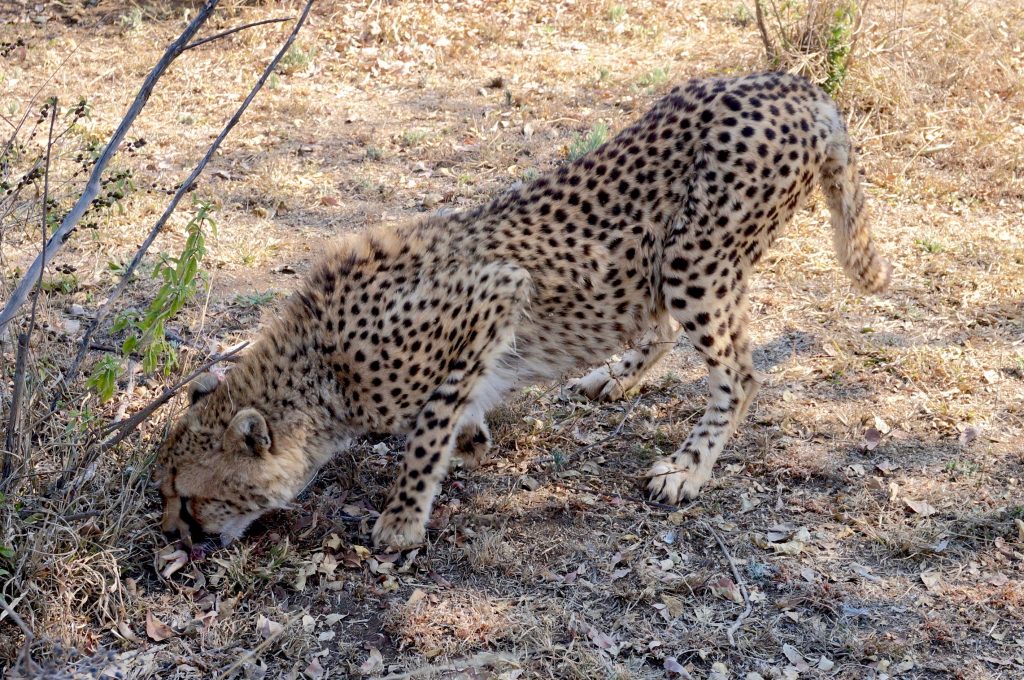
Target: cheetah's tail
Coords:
[[851, 233]]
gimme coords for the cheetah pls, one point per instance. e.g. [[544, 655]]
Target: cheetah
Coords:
[[422, 328]]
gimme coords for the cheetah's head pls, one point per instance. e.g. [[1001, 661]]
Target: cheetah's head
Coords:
[[223, 466]]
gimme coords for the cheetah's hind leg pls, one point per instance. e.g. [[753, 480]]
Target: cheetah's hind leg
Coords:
[[717, 327], [612, 381]]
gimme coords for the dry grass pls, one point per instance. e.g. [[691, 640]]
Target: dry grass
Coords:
[[544, 563]]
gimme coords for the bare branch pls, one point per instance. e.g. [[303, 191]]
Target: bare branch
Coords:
[[186, 186], [228, 32], [93, 186]]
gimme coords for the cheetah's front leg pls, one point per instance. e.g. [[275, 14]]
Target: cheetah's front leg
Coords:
[[428, 452], [453, 413]]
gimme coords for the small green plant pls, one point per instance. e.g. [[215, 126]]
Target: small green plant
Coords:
[[581, 146], [61, 283], [255, 299], [181, 279], [296, 60], [131, 20], [273, 82], [530, 174], [741, 15], [103, 379], [928, 245], [653, 79], [374, 153], [837, 47], [962, 467], [616, 13], [413, 137]]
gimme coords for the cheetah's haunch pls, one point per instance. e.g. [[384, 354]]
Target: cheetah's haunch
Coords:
[[421, 329]]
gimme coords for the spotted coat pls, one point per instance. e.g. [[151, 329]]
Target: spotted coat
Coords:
[[420, 329]]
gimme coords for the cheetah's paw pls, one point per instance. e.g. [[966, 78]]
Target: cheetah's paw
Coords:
[[398, 531], [599, 385], [673, 480]]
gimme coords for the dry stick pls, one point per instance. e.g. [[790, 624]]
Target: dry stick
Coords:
[[25, 655], [769, 48], [739, 581], [182, 190], [26, 337], [92, 187], [228, 32]]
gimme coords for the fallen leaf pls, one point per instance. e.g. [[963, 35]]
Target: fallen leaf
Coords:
[[872, 438], [268, 628], [969, 434], [933, 582], [998, 579], [673, 666], [920, 507], [374, 663], [886, 467], [795, 658], [174, 561], [863, 572], [314, 671], [674, 606], [725, 588], [825, 664], [603, 641], [157, 630], [125, 631], [882, 426], [1019, 523], [619, 573]]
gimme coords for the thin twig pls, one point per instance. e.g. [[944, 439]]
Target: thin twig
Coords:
[[618, 428], [739, 581], [638, 500], [24, 339], [92, 187], [256, 651], [769, 48], [185, 187], [228, 32], [25, 656]]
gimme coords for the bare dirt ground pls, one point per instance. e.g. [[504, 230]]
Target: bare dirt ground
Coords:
[[872, 507]]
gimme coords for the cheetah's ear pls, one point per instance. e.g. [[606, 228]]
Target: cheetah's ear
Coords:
[[202, 386], [248, 432]]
